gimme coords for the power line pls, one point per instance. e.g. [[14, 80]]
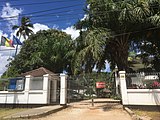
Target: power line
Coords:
[[155, 6], [52, 14], [39, 3], [153, 28], [47, 14], [58, 16], [60, 19], [135, 31], [110, 36], [9, 0], [55, 13], [42, 11], [52, 9], [51, 21]]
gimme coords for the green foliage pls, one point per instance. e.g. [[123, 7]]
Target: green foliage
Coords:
[[152, 85], [112, 26], [4, 84], [24, 28], [44, 49], [87, 83], [116, 97]]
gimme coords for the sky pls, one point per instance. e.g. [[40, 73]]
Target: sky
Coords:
[[44, 14]]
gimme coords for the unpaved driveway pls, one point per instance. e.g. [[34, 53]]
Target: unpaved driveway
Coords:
[[84, 111]]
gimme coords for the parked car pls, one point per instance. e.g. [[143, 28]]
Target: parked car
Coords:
[[74, 95]]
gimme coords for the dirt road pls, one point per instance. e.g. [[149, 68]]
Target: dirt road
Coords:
[[84, 111]]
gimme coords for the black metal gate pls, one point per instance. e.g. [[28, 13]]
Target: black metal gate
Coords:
[[82, 87]]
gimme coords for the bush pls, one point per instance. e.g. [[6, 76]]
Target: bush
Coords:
[[153, 85]]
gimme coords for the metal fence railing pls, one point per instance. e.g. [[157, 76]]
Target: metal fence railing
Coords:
[[143, 80]]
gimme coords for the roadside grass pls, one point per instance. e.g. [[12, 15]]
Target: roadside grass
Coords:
[[8, 111], [155, 115]]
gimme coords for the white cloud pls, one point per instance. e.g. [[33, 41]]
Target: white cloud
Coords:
[[8, 11], [38, 27], [4, 34], [85, 17], [55, 26], [4, 62], [72, 31]]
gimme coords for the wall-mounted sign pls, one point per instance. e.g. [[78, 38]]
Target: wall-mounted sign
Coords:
[[100, 84], [16, 84]]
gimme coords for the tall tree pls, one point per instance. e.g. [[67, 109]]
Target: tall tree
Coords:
[[114, 25], [44, 49], [23, 29]]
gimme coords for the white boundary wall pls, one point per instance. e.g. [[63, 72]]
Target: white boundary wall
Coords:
[[138, 96]]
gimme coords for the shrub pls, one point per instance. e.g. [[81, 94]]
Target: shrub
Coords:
[[153, 85]]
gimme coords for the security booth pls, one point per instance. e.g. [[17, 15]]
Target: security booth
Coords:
[[38, 87]]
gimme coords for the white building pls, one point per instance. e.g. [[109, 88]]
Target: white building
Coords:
[[39, 86]]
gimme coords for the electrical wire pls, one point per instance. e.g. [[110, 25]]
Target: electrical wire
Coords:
[[39, 3], [57, 20], [65, 19], [56, 13], [37, 12], [58, 16], [49, 14], [9, 0], [42, 11], [53, 9], [153, 28]]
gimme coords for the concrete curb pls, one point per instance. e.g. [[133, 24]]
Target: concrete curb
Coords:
[[33, 116], [134, 116]]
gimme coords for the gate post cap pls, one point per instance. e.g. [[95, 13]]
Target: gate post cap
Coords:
[[122, 72], [63, 74]]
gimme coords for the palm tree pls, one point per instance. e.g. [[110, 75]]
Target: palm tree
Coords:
[[23, 29], [114, 25]]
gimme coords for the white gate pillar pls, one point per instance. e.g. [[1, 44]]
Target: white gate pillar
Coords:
[[123, 87], [117, 82], [27, 88], [46, 91], [63, 89]]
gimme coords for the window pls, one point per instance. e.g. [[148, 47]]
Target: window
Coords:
[[36, 83]]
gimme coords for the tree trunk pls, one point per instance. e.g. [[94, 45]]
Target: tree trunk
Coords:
[[119, 52]]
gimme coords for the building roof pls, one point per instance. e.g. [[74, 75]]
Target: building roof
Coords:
[[39, 72]]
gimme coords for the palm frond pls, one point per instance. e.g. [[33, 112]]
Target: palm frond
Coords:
[[155, 20], [30, 25], [15, 27], [17, 34], [25, 20]]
